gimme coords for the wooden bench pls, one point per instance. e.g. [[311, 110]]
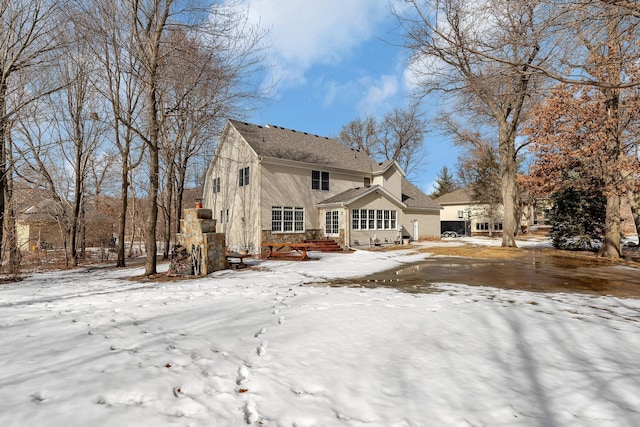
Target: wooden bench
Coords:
[[296, 250], [237, 256]]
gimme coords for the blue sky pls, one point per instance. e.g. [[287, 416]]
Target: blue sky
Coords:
[[334, 61]]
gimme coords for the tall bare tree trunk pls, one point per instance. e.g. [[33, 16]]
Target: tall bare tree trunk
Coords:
[[154, 171], [611, 247], [4, 133], [510, 193], [124, 200]]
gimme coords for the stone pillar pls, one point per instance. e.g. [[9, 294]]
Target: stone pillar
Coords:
[[198, 231]]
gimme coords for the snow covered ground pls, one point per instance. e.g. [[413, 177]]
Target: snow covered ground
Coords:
[[267, 346]]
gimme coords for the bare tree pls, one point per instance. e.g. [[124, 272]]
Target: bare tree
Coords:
[[149, 20], [361, 135], [483, 54], [399, 136], [26, 41], [109, 36], [77, 130]]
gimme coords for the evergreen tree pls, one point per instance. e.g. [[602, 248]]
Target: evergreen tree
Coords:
[[578, 219], [445, 183]]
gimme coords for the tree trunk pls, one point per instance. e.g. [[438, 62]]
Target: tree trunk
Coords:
[[611, 246], [4, 132], [168, 211], [613, 147], [77, 200], [124, 199], [154, 170], [634, 203], [509, 189], [11, 240]]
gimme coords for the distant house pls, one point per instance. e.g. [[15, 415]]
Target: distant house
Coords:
[[268, 183], [464, 216], [43, 226]]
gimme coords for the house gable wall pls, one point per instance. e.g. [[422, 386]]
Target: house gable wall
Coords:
[[391, 180], [235, 208], [373, 201]]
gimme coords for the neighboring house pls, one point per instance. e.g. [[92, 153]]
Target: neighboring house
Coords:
[[43, 225], [466, 217], [268, 183]]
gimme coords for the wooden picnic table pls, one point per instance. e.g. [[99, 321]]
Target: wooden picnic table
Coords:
[[296, 250], [238, 256]]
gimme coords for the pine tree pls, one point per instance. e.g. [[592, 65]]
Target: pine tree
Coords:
[[445, 183], [578, 219]]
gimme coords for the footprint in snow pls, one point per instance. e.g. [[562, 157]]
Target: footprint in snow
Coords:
[[262, 349], [281, 320], [243, 375], [250, 412], [260, 332]]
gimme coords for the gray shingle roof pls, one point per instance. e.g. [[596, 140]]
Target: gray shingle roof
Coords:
[[461, 196], [349, 195], [281, 143], [414, 198]]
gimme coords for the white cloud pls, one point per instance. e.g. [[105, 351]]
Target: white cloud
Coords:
[[305, 33], [378, 93]]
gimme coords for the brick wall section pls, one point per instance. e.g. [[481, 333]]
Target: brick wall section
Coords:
[[198, 228]]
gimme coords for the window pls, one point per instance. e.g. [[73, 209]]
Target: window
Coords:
[[482, 226], [332, 226], [243, 177], [370, 219], [224, 216], [285, 219], [497, 226], [216, 185], [298, 219], [320, 180], [367, 182]]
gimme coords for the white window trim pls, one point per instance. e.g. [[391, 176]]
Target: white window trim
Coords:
[[295, 212], [361, 219]]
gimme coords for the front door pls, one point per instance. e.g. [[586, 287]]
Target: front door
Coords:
[[332, 223]]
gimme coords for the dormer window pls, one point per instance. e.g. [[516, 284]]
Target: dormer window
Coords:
[[367, 182], [320, 180]]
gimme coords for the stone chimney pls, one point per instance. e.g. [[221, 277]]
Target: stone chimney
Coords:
[[198, 235]]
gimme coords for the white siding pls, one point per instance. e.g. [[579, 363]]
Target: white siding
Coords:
[[242, 203]]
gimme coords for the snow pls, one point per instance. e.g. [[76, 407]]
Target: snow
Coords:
[[273, 345]]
